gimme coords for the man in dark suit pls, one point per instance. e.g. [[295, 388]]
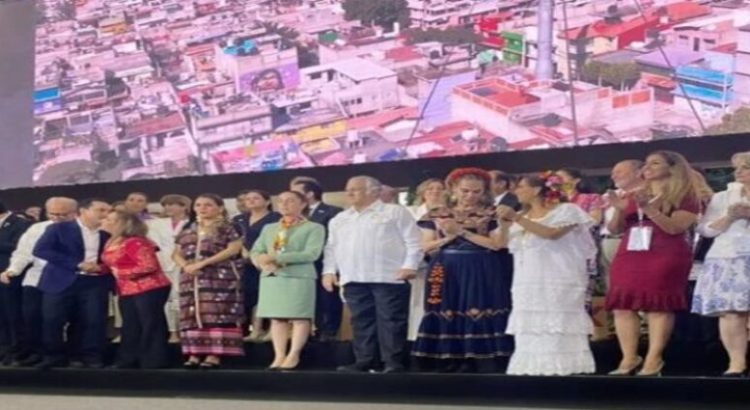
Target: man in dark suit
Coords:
[[12, 226], [502, 187], [242, 220], [74, 282], [328, 307]]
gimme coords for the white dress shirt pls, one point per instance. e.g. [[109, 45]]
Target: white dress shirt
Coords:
[[163, 233], [313, 207], [372, 245], [91, 243], [500, 198], [4, 218], [23, 255]]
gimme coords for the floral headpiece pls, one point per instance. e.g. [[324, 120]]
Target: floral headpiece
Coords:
[[554, 193], [459, 173]]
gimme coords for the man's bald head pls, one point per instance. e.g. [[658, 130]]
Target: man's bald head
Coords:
[[626, 174], [61, 209]]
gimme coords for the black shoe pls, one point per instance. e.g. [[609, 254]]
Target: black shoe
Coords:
[[734, 375], [327, 338], [467, 366], [28, 361], [48, 364], [394, 369], [87, 364], [94, 365], [124, 366], [354, 368]]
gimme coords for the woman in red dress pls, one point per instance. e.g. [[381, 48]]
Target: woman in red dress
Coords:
[[143, 289], [650, 270]]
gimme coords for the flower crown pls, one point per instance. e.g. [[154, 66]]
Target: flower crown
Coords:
[[555, 187], [459, 173]]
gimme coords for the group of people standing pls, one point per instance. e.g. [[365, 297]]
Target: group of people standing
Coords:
[[482, 266]]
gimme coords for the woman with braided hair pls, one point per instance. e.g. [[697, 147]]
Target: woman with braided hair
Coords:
[[467, 294], [550, 243]]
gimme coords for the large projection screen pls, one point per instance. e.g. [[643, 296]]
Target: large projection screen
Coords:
[[135, 89]]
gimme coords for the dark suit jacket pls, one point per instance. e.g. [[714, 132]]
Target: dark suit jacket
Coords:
[[10, 232], [323, 215], [62, 247], [510, 199]]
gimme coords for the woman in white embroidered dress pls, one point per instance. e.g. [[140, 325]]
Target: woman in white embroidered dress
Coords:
[[550, 243]]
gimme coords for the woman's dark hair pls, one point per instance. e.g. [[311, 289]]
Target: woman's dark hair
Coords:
[[299, 195], [263, 194], [583, 186], [216, 199], [547, 192]]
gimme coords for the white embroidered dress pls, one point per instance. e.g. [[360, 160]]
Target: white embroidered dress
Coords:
[[549, 319]]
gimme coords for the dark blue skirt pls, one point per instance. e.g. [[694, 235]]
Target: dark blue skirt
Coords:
[[467, 304]]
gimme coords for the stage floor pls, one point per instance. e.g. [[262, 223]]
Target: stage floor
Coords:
[[686, 385]]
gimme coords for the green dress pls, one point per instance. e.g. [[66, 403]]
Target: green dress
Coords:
[[289, 293]]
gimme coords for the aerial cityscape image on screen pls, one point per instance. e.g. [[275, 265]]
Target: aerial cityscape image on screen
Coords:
[[133, 89]]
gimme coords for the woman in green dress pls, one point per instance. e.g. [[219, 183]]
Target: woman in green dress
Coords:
[[285, 253]]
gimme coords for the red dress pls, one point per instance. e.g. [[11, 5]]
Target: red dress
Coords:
[[135, 266], [655, 280]]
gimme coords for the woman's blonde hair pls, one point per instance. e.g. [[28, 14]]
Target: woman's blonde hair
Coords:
[[681, 182], [132, 225], [741, 159], [704, 191], [422, 188]]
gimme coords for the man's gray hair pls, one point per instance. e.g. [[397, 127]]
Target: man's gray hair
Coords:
[[635, 163], [69, 202], [373, 186]]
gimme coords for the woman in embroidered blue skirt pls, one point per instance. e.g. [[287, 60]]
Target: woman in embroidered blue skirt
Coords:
[[467, 295]]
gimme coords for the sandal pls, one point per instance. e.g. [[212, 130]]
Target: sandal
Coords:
[[209, 366], [191, 365]]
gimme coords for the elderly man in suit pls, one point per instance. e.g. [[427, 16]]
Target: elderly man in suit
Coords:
[[12, 226], [74, 281], [328, 309]]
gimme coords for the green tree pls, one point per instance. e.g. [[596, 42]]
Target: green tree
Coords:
[[383, 13], [617, 75], [735, 123], [592, 72], [306, 55]]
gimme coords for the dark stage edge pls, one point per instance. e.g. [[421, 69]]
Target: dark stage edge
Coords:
[[685, 385]]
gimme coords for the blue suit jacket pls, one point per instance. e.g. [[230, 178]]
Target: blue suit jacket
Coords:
[[61, 246]]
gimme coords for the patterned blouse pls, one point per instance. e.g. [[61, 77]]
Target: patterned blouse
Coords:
[[135, 266]]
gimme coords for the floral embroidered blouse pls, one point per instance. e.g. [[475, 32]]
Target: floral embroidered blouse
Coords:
[[135, 266]]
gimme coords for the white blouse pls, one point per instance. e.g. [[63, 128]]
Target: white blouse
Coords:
[[733, 241]]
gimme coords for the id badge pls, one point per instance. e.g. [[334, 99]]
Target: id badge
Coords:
[[640, 238]]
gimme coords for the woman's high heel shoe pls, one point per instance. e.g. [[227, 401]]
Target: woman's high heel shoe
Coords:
[[628, 372], [656, 373]]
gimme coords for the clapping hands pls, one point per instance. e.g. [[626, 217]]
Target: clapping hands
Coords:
[[506, 213], [739, 211]]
